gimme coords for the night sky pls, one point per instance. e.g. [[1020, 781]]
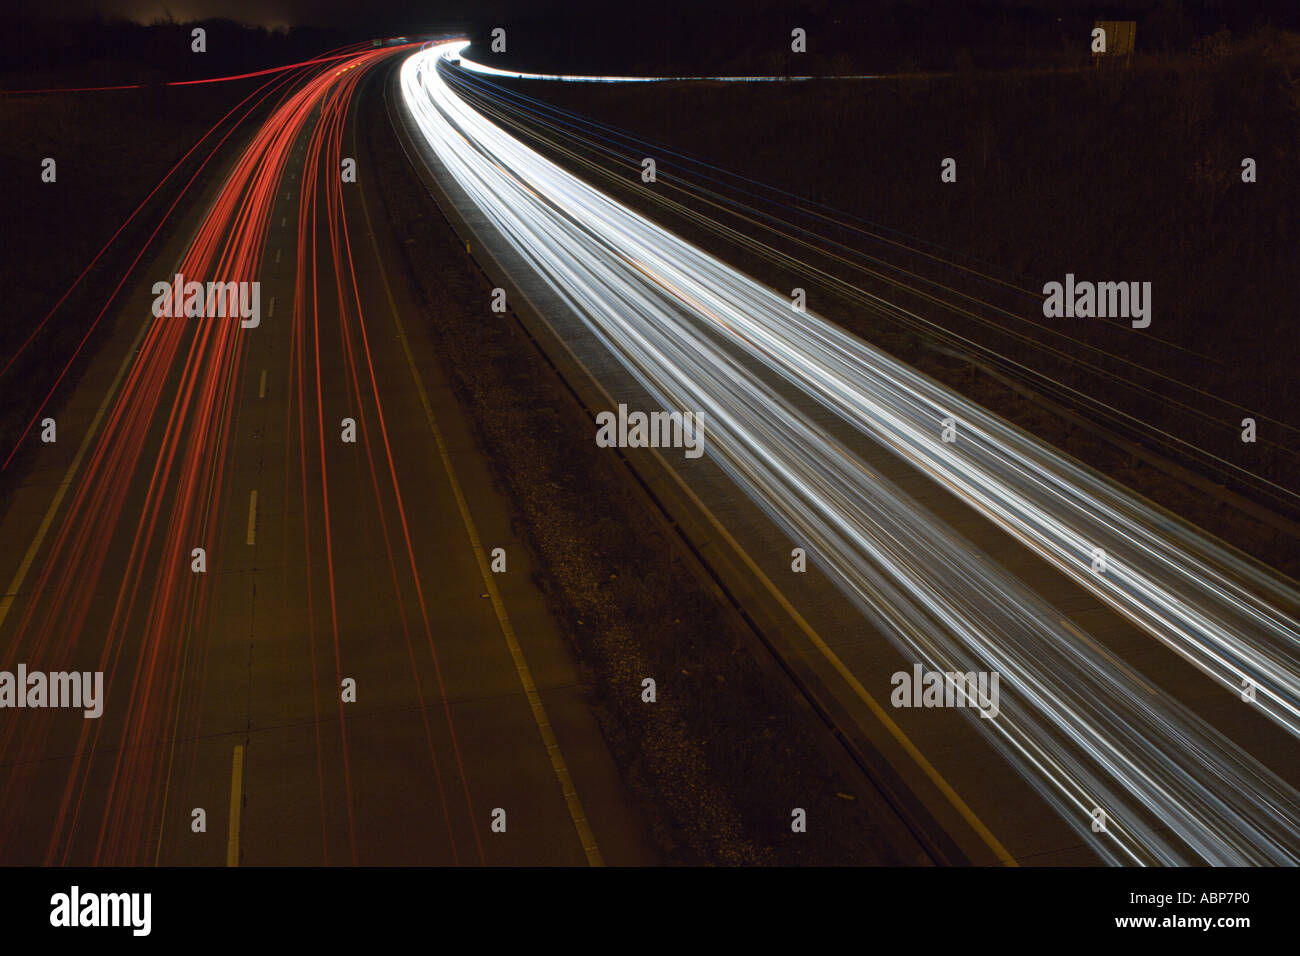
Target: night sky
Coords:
[[342, 13]]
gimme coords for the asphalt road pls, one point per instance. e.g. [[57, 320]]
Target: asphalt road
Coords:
[[326, 561], [962, 555], [349, 680]]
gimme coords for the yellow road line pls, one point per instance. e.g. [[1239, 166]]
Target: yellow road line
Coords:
[[576, 812], [236, 798]]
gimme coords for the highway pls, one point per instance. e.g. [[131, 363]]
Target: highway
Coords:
[[278, 538], [812, 424], [338, 676]]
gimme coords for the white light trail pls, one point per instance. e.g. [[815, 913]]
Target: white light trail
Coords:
[[454, 52], [1084, 729]]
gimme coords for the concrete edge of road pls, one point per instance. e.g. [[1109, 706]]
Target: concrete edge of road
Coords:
[[876, 761]]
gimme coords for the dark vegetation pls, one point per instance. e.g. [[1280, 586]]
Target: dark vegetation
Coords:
[[45, 53], [694, 37]]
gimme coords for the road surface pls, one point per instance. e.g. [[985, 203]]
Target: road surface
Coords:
[[340, 677], [813, 425]]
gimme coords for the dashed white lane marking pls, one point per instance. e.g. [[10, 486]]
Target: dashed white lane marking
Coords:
[[252, 517]]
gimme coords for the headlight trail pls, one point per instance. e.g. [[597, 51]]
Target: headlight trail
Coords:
[[454, 50], [1085, 730], [1039, 346]]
